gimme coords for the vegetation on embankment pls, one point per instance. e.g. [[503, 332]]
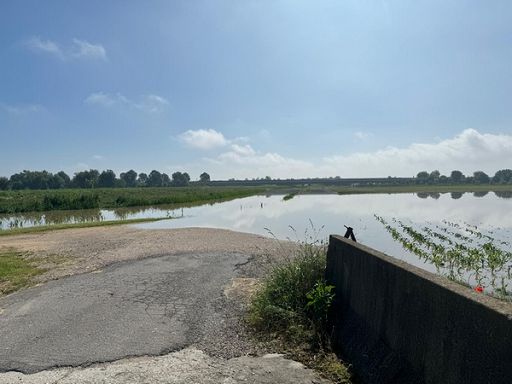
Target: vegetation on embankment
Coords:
[[68, 199], [290, 309], [87, 224], [352, 190], [16, 271]]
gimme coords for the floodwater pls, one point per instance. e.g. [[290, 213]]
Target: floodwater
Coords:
[[310, 217]]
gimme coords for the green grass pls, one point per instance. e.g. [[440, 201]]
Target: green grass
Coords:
[[421, 188], [69, 199], [289, 196], [52, 227], [290, 309], [15, 271]]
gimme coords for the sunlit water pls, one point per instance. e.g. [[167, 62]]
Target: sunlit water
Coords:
[[307, 216]]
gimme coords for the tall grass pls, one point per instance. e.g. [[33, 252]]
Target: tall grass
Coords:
[[290, 310], [47, 200]]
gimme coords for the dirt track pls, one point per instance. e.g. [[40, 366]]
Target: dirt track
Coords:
[[71, 251]]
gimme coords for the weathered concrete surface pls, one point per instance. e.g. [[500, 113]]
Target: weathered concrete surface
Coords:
[[183, 367], [396, 323], [147, 307]]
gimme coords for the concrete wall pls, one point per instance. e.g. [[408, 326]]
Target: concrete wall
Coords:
[[396, 323]]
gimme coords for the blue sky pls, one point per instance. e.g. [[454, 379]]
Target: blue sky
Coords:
[[255, 88]]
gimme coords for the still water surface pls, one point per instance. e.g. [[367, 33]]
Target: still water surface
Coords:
[[272, 216]]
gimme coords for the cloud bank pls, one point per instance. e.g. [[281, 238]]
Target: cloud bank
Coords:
[[468, 151]]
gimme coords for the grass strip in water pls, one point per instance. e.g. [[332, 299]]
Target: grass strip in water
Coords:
[[349, 190], [45, 228]]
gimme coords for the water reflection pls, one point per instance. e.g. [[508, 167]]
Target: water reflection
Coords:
[[489, 212], [503, 194], [424, 195], [480, 194]]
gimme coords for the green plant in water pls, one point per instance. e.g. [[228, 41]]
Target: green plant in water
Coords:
[[289, 196], [482, 263]]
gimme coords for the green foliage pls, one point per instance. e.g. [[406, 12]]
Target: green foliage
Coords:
[[204, 177], [66, 199], [319, 301], [4, 183], [86, 179], [180, 179], [480, 177], [107, 179], [129, 178], [291, 309], [503, 176], [282, 301], [154, 179], [289, 196], [461, 252]]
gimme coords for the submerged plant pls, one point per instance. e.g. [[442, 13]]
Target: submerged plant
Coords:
[[463, 253]]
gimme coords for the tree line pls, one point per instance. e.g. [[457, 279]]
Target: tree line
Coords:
[[94, 179], [503, 176], [108, 179]]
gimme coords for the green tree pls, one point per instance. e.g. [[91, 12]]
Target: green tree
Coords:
[[130, 178], [166, 180], [107, 179], [457, 177], [4, 183], [204, 177], [155, 179], [480, 177], [142, 179], [180, 179], [86, 179], [422, 177], [503, 176], [57, 182], [434, 176], [64, 176]]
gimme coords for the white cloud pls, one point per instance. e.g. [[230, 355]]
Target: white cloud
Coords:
[[359, 135], [79, 49], [98, 157], [82, 48], [243, 161], [243, 150], [103, 99], [21, 109], [469, 151], [147, 103], [204, 139], [152, 103], [36, 44]]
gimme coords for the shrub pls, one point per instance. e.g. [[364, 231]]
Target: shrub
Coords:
[[292, 306]]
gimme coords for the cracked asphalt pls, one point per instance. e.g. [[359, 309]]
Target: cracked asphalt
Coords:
[[151, 307]]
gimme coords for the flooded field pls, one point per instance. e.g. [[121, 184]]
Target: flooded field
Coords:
[[463, 236]]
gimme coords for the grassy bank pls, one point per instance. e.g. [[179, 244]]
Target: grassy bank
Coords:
[[69, 199], [15, 271], [52, 227], [421, 188]]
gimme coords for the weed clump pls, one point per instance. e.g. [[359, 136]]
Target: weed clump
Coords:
[[290, 310]]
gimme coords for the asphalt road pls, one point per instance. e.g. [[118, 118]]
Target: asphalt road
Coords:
[[145, 307]]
